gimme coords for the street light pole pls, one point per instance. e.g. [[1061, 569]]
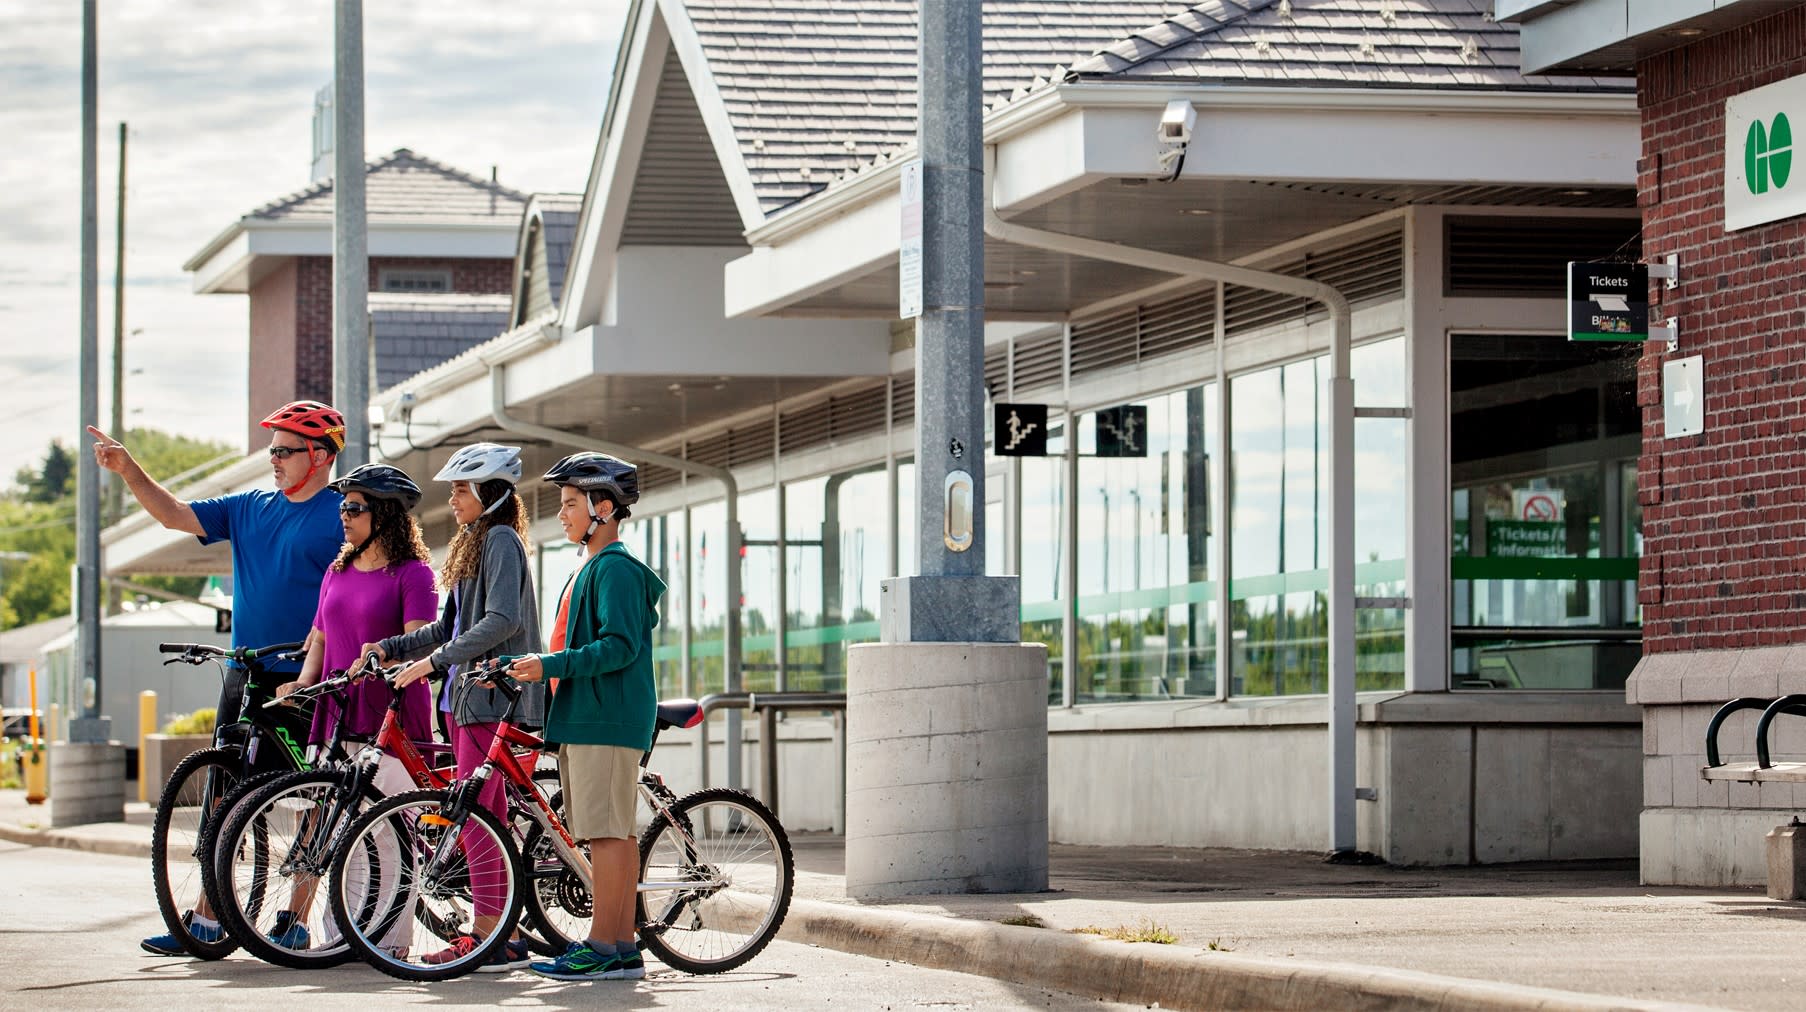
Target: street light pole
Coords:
[[92, 728]]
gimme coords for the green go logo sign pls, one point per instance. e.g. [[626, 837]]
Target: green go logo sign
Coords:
[[1768, 154]]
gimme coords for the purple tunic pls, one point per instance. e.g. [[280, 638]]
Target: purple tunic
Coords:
[[356, 608]]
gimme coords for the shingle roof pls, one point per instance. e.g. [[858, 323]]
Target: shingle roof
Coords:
[[405, 186], [415, 331], [558, 214], [1443, 44], [817, 87]]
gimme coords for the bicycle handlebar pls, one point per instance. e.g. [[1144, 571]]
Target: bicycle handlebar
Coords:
[[201, 651]]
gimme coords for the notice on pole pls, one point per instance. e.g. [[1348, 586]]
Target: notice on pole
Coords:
[[909, 254]]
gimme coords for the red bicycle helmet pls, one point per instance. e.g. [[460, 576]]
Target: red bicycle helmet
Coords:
[[310, 420]]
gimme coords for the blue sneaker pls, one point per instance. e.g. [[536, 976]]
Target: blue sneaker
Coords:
[[168, 945], [581, 962], [289, 933]]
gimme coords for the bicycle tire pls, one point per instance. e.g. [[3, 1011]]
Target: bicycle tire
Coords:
[[557, 896], [209, 840], [189, 798], [251, 865], [394, 837], [730, 846]]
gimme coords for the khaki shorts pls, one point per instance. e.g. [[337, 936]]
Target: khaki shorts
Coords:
[[600, 790]]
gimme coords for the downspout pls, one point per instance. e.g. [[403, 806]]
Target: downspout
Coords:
[[1341, 462], [730, 647]]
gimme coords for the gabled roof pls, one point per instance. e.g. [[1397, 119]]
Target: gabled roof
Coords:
[[404, 185], [558, 230], [814, 88], [413, 332], [1438, 44]]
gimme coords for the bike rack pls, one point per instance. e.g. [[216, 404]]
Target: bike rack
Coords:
[[767, 705], [1718, 718], [1794, 704]]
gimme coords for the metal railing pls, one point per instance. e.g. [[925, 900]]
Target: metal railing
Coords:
[[767, 705]]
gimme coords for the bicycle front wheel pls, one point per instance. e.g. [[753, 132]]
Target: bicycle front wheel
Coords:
[[274, 852], [715, 881], [189, 800], [422, 896]]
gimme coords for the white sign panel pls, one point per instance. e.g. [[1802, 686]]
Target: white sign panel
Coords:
[[909, 256], [1683, 397], [1761, 183]]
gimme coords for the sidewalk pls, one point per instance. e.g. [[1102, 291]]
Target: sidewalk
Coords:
[[1271, 930]]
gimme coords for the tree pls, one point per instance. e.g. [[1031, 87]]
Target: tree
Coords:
[[38, 518], [53, 481]]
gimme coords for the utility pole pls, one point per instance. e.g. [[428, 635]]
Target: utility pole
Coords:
[[350, 242], [950, 631], [87, 498], [116, 484]]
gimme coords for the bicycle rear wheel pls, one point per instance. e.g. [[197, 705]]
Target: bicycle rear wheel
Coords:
[[189, 800], [274, 853], [558, 900], [406, 895], [715, 881]]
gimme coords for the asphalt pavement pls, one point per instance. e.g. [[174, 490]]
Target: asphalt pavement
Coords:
[[1255, 929]]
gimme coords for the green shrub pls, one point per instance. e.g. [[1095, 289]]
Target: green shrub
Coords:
[[198, 722]]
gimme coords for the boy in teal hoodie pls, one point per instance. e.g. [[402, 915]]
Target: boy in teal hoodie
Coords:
[[604, 703]]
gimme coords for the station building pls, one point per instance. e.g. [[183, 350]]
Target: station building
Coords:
[[1720, 89], [727, 314]]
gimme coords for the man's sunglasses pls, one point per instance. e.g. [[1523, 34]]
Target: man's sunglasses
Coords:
[[352, 509], [285, 452]]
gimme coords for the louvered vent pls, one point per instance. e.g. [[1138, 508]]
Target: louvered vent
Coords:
[[997, 371], [1038, 363], [1490, 256], [653, 476], [1364, 271], [903, 400]]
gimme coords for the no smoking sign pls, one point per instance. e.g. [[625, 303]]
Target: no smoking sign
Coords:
[[1543, 505]]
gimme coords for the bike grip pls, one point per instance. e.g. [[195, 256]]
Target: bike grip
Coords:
[[275, 648], [171, 648]]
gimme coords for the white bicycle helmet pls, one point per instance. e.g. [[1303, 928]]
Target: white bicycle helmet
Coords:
[[481, 462]]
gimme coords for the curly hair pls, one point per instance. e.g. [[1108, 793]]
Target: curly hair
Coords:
[[397, 533], [465, 555]]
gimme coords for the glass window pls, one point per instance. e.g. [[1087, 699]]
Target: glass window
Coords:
[[1043, 561], [1544, 433], [708, 596], [1146, 603], [759, 589], [1382, 483]]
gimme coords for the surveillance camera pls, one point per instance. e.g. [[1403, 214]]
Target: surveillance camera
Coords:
[[1176, 122]]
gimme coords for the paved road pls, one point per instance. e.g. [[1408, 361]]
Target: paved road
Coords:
[[70, 924]]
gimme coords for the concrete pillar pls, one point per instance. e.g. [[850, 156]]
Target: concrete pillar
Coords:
[[946, 768], [90, 782]]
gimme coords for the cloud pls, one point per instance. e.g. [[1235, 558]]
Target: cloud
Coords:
[[219, 98]]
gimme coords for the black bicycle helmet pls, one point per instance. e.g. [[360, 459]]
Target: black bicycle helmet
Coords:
[[381, 481], [598, 474]]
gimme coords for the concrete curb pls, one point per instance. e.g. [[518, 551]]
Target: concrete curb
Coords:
[[75, 841], [1169, 976]]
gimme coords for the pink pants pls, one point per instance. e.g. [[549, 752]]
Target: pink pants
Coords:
[[470, 746]]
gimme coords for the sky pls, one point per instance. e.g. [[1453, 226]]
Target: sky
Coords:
[[218, 98]]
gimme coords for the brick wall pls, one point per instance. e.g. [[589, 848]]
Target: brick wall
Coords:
[[313, 309], [1724, 512], [272, 352]]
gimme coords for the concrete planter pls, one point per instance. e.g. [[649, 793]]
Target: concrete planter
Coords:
[[161, 754]]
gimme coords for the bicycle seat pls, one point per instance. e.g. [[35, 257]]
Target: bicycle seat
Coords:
[[679, 713]]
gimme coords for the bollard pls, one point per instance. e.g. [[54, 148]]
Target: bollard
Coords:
[[1786, 849], [147, 726], [37, 763], [53, 730]]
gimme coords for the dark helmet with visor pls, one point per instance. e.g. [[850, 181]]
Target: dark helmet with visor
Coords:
[[598, 474]]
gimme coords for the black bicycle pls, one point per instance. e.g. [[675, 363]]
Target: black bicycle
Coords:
[[248, 740]]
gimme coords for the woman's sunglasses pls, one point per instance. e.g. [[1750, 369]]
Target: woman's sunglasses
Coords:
[[352, 509]]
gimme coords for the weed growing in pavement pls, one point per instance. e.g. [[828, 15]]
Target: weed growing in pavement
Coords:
[[1024, 921], [1146, 931], [1218, 945]]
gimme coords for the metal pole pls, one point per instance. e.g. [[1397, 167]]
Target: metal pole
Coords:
[[87, 513], [116, 484], [950, 332], [350, 243]]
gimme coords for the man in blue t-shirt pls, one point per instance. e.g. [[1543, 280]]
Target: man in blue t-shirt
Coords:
[[282, 542]]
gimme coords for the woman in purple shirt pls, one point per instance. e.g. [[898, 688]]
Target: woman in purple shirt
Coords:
[[380, 585]]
